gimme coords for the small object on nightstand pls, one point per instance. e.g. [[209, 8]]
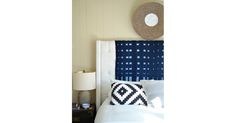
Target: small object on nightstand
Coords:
[[85, 105], [75, 106], [83, 115]]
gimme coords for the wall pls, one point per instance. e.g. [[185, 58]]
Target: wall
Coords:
[[99, 20]]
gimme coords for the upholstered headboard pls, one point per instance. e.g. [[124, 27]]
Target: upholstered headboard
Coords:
[[126, 60], [105, 69]]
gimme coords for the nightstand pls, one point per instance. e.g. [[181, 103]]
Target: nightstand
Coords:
[[83, 115]]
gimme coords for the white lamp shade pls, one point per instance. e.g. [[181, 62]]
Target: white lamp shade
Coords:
[[84, 81]]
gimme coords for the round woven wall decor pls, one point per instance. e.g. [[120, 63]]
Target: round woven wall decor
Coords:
[[151, 13]]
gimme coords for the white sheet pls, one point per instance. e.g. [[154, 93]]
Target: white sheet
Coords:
[[128, 114]]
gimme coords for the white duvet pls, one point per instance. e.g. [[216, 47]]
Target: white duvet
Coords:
[[128, 114]]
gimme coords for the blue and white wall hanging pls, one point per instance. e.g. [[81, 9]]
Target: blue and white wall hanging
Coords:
[[139, 60]]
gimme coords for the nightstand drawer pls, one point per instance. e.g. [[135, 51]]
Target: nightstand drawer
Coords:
[[84, 115], [75, 119]]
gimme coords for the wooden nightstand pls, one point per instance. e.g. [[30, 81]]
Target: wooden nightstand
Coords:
[[84, 115]]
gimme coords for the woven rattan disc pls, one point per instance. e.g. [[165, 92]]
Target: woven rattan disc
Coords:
[[138, 20]]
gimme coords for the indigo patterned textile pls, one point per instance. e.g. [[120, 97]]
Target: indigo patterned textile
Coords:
[[139, 60]]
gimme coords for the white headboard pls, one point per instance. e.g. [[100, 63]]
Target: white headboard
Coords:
[[105, 69], [106, 61]]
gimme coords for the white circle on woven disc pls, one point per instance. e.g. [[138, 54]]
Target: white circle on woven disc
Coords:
[[151, 19]]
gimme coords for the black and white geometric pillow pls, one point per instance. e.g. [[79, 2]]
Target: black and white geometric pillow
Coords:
[[128, 94]]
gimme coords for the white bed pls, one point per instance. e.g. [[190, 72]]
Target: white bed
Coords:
[[106, 113], [128, 114]]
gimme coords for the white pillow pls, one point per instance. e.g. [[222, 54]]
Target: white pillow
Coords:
[[155, 92]]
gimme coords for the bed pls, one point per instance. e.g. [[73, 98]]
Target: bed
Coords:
[[109, 68]]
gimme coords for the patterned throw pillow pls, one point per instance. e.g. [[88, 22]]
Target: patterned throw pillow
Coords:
[[128, 94]]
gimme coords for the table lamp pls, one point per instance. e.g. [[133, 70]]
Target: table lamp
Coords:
[[83, 82]]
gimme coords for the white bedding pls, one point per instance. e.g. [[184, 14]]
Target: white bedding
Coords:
[[128, 114]]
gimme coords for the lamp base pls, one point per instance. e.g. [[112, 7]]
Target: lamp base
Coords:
[[84, 97]]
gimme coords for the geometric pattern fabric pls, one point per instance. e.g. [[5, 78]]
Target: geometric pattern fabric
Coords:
[[128, 94]]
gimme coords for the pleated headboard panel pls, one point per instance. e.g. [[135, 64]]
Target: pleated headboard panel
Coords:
[[105, 69]]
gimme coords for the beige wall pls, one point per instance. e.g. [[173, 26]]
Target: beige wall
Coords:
[[99, 19]]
